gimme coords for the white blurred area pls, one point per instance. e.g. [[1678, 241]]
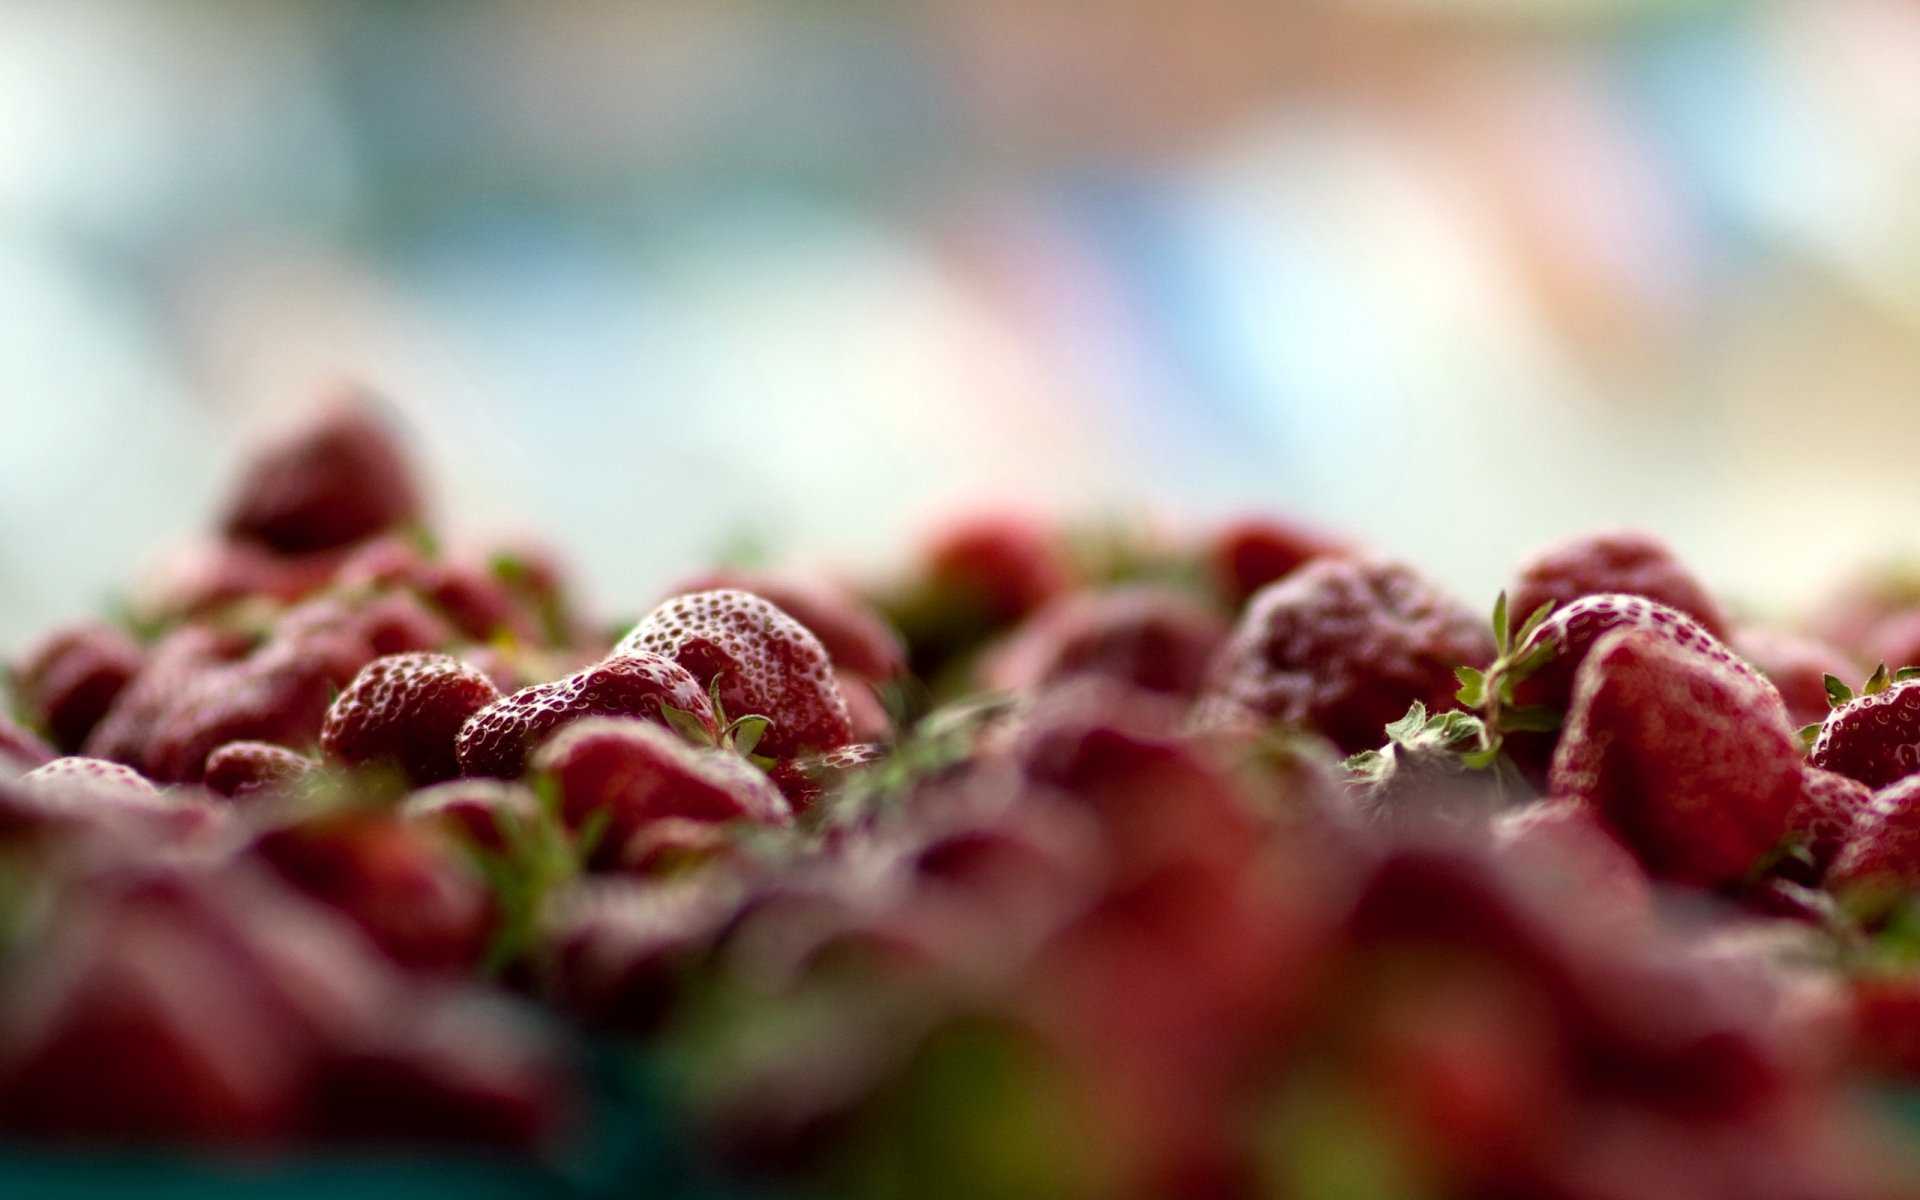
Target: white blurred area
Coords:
[[1459, 276]]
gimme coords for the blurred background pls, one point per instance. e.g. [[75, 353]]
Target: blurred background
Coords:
[[654, 275]]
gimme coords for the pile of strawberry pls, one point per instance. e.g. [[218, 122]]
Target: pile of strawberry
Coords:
[[1123, 865]]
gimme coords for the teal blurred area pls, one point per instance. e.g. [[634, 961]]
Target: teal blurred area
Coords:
[[1460, 275]]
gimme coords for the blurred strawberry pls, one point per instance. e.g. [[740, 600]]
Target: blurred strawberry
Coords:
[[68, 679], [1799, 667], [1004, 565], [1822, 823], [497, 740], [245, 770], [759, 660], [636, 772], [1619, 562], [480, 811], [406, 709], [611, 951], [174, 665], [1689, 759], [89, 776], [19, 749], [1151, 637], [411, 895], [1345, 647], [205, 577], [333, 478], [448, 1070], [1246, 555]]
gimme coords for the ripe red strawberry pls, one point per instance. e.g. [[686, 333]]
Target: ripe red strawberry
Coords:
[[1873, 737], [478, 602], [203, 577], [637, 772], [174, 666], [1345, 647], [1799, 667], [1246, 555], [1151, 637], [613, 949], [68, 679], [407, 709], [1618, 562], [762, 661], [856, 638], [1690, 760], [1882, 851], [1822, 823], [280, 694], [1541, 669], [412, 895], [804, 780], [334, 478], [244, 770], [497, 740]]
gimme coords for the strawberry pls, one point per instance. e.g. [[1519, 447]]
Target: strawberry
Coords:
[[87, 776], [1882, 851], [412, 896], [1689, 759], [758, 660], [497, 740], [245, 770], [1873, 737], [478, 811], [1246, 555], [204, 577], [804, 780], [69, 679], [1004, 566], [334, 478], [1346, 646], [407, 709], [637, 772], [280, 693], [1799, 667], [1618, 562], [613, 949], [1822, 823], [856, 638], [1151, 637]]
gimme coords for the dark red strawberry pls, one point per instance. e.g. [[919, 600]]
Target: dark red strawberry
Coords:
[[762, 661], [1345, 647], [856, 638], [1799, 667], [398, 623], [1246, 555], [69, 679], [1619, 562], [613, 950], [244, 770], [448, 1070], [412, 895], [173, 668], [20, 749], [204, 577], [1873, 737], [280, 693], [478, 602], [637, 772], [480, 811], [497, 740], [1882, 851], [406, 709], [1689, 759], [1822, 823], [334, 478], [1151, 637]]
